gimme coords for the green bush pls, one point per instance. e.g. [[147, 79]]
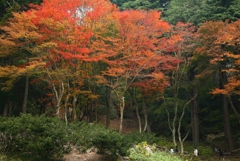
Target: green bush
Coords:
[[202, 149], [5, 158], [139, 153], [33, 138], [205, 150], [137, 137], [85, 136], [164, 142]]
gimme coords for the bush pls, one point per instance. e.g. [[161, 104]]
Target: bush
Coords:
[[205, 150], [5, 158], [135, 138], [85, 136], [202, 149], [139, 153], [33, 138]]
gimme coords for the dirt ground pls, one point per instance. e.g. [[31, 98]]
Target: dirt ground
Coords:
[[88, 156]]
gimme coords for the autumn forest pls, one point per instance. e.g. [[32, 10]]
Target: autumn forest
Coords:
[[173, 66]]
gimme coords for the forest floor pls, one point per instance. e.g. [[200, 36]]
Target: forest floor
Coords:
[[88, 156]]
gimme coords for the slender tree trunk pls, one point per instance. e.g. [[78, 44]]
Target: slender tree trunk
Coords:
[[90, 113], [6, 109], [171, 124], [74, 110], [139, 119], [122, 106], [66, 109], [195, 120], [108, 97], [233, 108], [25, 99], [175, 119], [227, 127], [10, 109], [145, 115], [226, 119], [137, 111], [58, 96], [181, 140]]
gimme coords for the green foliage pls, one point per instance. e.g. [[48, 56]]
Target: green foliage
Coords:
[[136, 137], [85, 136], [140, 4], [199, 11], [139, 153], [33, 138], [44, 138], [5, 158], [205, 150], [164, 142], [141, 148]]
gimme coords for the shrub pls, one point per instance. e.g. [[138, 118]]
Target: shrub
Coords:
[[139, 153], [202, 150], [5, 158], [33, 138], [164, 142], [85, 136], [205, 150], [136, 137]]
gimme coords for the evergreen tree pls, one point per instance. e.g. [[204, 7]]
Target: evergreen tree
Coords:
[[199, 11], [141, 4]]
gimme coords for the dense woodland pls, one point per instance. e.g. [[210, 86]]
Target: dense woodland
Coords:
[[172, 64]]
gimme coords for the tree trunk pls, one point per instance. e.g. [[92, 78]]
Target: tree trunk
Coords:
[[227, 127], [74, 110], [108, 106], [145, 113], [175, 119], [10, 109], [139, 119], [181, 140], [171, 124], [137, 111], [66, 109], [122, 105], [25, 99], [226, 119], [6, 108], [58, 96], [195, 120]]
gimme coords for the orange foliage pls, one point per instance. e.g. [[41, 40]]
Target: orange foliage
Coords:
[[68, 35], [221, 42], [131, 45]]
